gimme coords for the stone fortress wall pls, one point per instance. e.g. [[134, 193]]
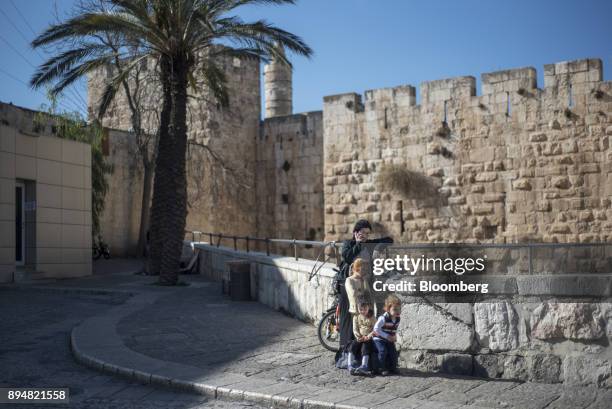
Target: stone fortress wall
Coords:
[[514, 164], [264, 178], [221, 157]]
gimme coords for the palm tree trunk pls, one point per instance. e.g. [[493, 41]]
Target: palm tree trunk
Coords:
[[157, 204], [145, 208], [170, 176]]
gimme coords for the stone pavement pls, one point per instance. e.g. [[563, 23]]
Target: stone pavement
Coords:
[[193, 338], [35, 351]]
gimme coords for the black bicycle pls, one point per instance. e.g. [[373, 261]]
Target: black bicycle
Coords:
[[328, 329]]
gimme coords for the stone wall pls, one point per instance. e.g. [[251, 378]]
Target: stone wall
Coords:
[[120, 219], [516, 163], [246, 176], [549, 341], [221, 155], [279, 282], [290, 177], [513, 164], [517, 337]]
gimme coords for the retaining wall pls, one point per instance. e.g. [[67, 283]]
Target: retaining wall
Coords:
[[277, 281], [518, 332]]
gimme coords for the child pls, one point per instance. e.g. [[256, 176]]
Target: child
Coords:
[[385, 331], [356, 284], [363, 329]]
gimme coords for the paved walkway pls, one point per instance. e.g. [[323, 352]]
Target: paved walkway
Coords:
[[195, 339], [35, 351]]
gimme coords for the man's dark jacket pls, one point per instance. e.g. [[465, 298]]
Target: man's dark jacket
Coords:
[[350, 251]]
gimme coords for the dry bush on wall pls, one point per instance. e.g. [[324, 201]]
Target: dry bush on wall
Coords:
[[408, 183]]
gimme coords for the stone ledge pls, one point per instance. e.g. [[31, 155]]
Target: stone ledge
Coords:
[[301, 265]]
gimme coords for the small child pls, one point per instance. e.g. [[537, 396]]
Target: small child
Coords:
[[385, 331], [363, 329]]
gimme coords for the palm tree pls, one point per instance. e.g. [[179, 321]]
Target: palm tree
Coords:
[[183, 36]]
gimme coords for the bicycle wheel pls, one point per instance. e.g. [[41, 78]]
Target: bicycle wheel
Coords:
[[96, 253], [329, 336]]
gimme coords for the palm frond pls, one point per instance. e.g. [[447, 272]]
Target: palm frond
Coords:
[[94, 23], [113, 86], [223, 6], [242, 53], [56, 66], [264, 36], [79, 71], [215, 79]]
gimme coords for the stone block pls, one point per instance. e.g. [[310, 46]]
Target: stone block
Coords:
[[485, 177], [514, 367], [538, 137], [574, 285], [544, 368], [575, 321], [458, 364], [425, 327], [486, 366], [587, 370], [420, 360], [496, 326], [561, 182], [494, 197], [482, 209]]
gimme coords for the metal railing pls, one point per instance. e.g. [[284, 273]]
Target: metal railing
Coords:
[[215, 239], [248, 240]]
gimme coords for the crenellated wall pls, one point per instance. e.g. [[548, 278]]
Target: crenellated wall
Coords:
[[516, 163]]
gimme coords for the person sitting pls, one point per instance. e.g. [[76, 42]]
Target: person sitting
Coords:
[[362, 345], [385, 335]]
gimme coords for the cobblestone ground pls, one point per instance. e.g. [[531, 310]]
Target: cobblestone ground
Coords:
[[199, 327], [34, 352]]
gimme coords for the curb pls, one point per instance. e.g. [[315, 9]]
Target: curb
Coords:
[[210, 390], [68, 290], [95, 343]]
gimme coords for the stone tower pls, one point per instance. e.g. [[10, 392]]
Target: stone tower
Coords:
[[278, 88]]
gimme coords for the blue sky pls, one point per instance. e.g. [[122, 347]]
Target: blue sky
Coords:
[[361, 44]]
